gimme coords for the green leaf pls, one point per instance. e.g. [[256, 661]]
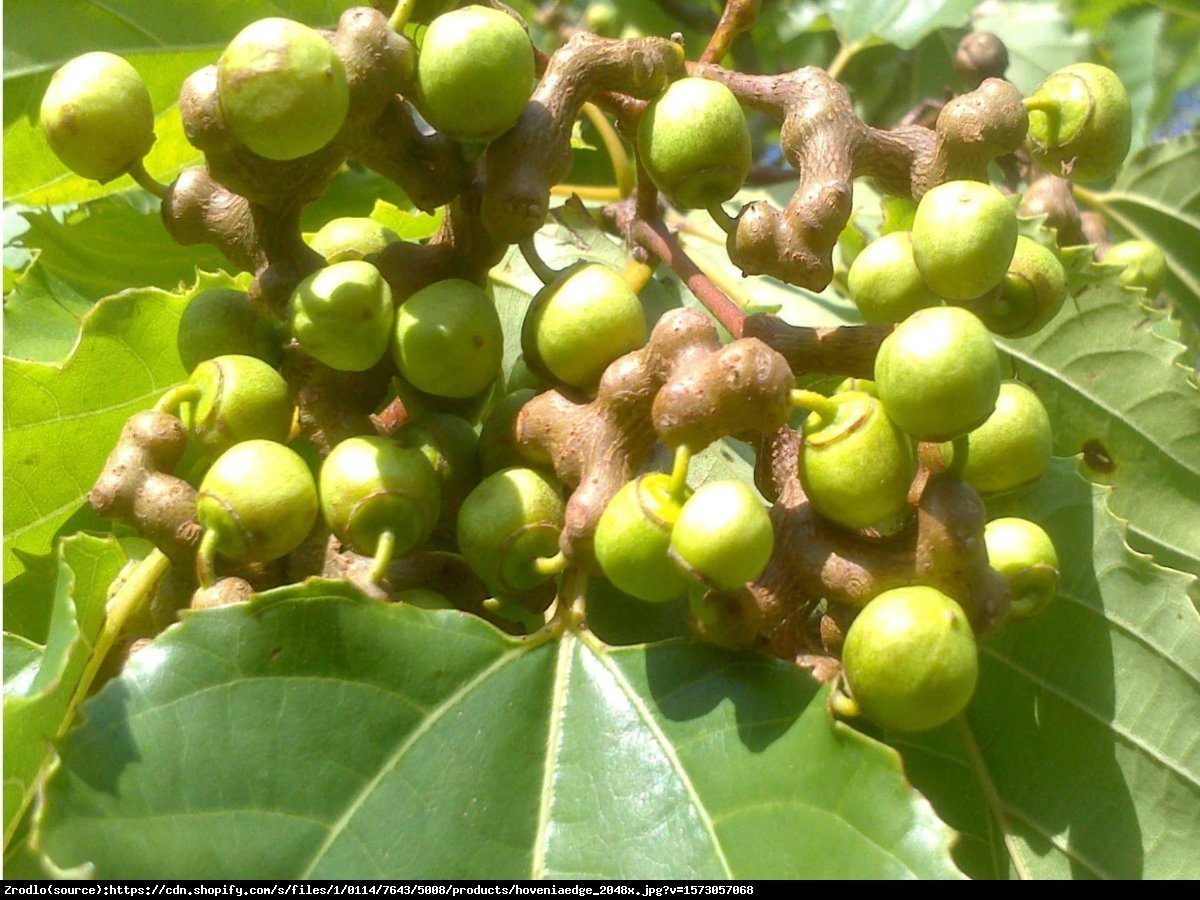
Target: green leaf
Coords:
[[1115, 392], [900, 22], [38, 703], [42, 316], [1080, 759], [313, 738], [1156, 198], [1038, 36], [61, 422]]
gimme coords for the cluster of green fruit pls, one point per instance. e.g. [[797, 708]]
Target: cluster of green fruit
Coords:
[[953, 269]]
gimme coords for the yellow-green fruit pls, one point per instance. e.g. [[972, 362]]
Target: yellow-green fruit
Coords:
[[1080, 123], [723, 535], [1011, 450], [351, 237], [448, 339], [1032, 292], [581, 322], [497, 438], [241, 398], [885, 283], [342, 315], [1144, 262], [963, 237], [695, 144], [910, 659], [938, 374], [449, 443], [260, 499], [97, 116], [221, 322], [507, 524], [282, 89], [633, 537], [372, 485], [1024, 554], [475, 73], [857, 468]]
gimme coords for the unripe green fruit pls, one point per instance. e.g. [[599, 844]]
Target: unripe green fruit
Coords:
[[910, 659], [522, 377], [342, 315], [695, 144], [509, 522], [633, 537], [351, 237], [221, 322], [857, 468], [938, 374], [1144, 262], [448, 339], [885, 283], [963, 237], [1011, 450], [449, 443], [1080, 123], [723, 535], [241, 398], [260, 499], [497, 440], [370, 485], [581, 322], [603, 18], [475, 73], [1031, 294], [97, 116], [1024, 554], [282, 89]]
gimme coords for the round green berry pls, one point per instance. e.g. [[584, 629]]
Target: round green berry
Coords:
[[910, 659], [581, 322], [963, 237], [475, 73], [1012, 449], [885, 283], [221, 322], [260, 500], [633, 537], [342, 315], [938, 374], [97, 116], [1023, 553], [448, 339], [1080, 123], [1144, 262], [282, 89], [1032, 292], [351, 237], [450, 445], [694, 143], [238, 398], [723, 535]]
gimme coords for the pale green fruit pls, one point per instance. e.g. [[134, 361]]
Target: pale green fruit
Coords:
[[723, 535], [282, 89], [1024, 554], [1032, 292], [633, 537], [910, 659], [1080, 123], [97, 116], [963, 237], [241, 399], [1011, 450], [695, 144], [221, 322], [1144, 262], [885, 283], [351, 237], [342, 315]]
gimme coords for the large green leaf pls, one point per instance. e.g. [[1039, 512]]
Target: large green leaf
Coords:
[[42, 316], [1038, 36], [1079, 758], [37, 698], [61, 422], [900, 22], [1115, 392], [313, 736], [1156, 199]]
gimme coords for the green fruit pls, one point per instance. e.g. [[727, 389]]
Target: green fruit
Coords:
[[497, 440], [241, 398], [372, 485], [581, 322], [448, 339], [342, 315], [885, 283], [282, 89], [857, 468], [1144, 262], [633, 537], [938, 374], [723, 535], [910, 659], [260, 500], [1024, 554], [603, 18], [349, 238], [1080, 123], [508, 528], [695, 144], [1011, 450], [1031, 294], [450, 444], [221, 322], [522, 377], [97, 116], [475, 73], [963, 237]]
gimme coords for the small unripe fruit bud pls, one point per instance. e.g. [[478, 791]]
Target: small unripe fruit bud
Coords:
[[1080, 123], [963, 237], [1144, 262], [350, 238], [342, 315], [1023, 553]]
